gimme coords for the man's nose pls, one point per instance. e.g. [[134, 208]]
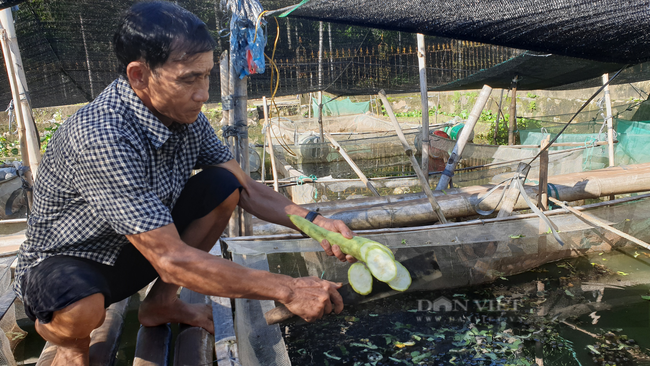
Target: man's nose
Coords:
[[202, 94]]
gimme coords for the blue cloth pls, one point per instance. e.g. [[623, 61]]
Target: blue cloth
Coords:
[[111, 170]]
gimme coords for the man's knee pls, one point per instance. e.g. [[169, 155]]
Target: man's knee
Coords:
[[78, 319]]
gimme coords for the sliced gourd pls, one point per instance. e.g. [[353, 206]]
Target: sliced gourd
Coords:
[[381, 265], [373, 244], [402, 281], [360, 278]]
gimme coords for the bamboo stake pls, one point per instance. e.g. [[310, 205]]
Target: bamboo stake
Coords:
[[598, 222], [270, 143], [457, 152], [543, 175], [512, 125], [352, 165], [424, 98], [409, 152], [610, 128]]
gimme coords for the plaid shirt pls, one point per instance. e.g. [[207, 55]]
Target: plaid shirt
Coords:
[[111, 170]]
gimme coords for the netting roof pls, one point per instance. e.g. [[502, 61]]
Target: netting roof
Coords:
[[604, 30], [68, 58]]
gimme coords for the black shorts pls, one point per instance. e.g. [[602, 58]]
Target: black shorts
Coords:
[[60, 281]]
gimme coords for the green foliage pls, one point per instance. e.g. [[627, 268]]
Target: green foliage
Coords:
[[502, 133], [8, 148], [47, 136], [531, 95], [532, 106]]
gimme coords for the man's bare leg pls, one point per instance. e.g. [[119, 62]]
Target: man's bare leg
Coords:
[[70, 330], [161, 305]]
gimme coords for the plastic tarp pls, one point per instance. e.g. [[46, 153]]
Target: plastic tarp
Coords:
[[339, 107]]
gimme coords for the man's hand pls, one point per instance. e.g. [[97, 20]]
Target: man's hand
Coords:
[[311, 298], [339, 227]]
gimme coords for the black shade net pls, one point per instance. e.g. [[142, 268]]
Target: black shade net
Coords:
[[68, 58]]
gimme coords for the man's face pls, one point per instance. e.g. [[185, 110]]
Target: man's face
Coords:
[[178, 88]]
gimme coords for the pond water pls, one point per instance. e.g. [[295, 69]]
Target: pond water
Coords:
[[583, 311]]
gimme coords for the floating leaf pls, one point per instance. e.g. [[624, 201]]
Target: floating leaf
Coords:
[[593, 264], [562, 265], [403, 241], [331, 356], [459, 295], [604, 259], [636, 254], [417, 338], [421, 357], [404, 344], [371, 346], [412, 311], [344, 350], [593, 349], [443, 191], [568, 293], [646, 298], [622, 273], [351, 318], [601, 253], [373, 314], [452, 360], [517, 236]]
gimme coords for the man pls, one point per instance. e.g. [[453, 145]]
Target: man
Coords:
[[115, 206]]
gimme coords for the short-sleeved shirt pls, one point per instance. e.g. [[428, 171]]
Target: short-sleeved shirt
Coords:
[[112, 169]]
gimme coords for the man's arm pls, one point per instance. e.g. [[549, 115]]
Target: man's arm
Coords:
[[180, 264], [268, 205]]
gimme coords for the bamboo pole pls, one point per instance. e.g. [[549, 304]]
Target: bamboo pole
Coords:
[[320, 56], [542, 197], [424, 98], [496, 124], [457, 152], [609, 118], [320, 116], [512, 195], [388, 211], [19, 114], [424, 182], [31, 132], [270, 144], [561, 144], [512, 125], [352, 165], [598, 222], [224, 74]]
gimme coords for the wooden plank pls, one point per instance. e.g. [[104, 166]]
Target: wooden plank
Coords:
[[103, 340], [194, 345], [354, 166], [153, 346], [512, 195], [424, 182]]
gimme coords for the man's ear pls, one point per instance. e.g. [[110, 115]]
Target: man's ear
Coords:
[[138, 74]]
